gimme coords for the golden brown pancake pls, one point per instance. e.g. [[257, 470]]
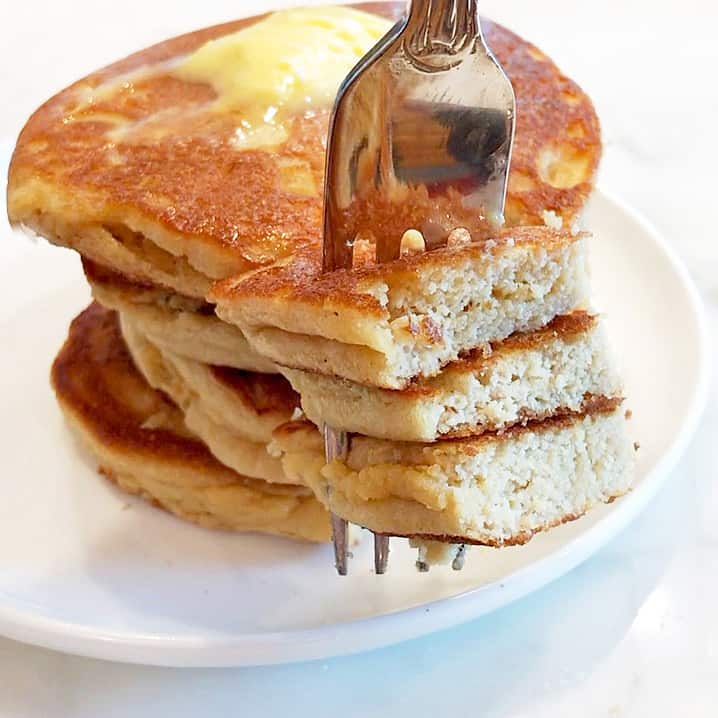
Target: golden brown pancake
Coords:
[[140, 442], [134, 167], [496, 489], [554, 370], [386, 324], [234, 412]]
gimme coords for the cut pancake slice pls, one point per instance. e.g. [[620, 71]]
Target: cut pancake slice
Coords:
[[184, 326], [384, 325], [496, 489], [555, 370], [234, 412], [141, 444]]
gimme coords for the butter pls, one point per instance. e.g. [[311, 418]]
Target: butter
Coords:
[[291, 61]]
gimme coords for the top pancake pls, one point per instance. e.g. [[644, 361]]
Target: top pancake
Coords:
[[135, 167]]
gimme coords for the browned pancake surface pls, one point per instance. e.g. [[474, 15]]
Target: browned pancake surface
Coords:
[[95, 378], [175, 167], [140, 442]]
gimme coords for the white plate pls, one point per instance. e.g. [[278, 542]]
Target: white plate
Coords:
[[87, 570]]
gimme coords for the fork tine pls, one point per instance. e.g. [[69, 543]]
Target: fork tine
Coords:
[[422, 565], [458, 563], [339, 539], [336, 446], [381, 553]]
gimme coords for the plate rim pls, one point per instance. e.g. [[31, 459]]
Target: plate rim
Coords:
[[320, 642]]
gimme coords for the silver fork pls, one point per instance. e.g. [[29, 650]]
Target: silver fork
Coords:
[[425, 119]]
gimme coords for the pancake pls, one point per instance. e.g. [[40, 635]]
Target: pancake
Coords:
[[233, 412], [555, 370], [384, 325], [141, 444], [498, 489], [182, 325], [147, 170]]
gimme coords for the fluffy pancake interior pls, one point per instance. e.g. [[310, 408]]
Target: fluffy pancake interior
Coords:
[[494, 490], [527, 376]]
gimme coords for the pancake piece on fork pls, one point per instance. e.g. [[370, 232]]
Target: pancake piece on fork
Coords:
[[387, 324], [141, 444], [497, 489], [554, 370]]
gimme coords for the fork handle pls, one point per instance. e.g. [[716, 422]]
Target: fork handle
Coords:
[[442, 27]]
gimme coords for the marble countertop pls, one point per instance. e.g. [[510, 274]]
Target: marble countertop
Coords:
[[633, 631]]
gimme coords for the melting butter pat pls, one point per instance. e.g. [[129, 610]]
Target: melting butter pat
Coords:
[[292, 60]]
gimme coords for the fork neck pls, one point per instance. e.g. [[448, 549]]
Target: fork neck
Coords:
[[441, 27]]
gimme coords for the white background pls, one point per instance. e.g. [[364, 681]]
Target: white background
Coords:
[[633, 632]]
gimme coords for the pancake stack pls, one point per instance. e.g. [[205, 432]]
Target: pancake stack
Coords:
[[478, 389]]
